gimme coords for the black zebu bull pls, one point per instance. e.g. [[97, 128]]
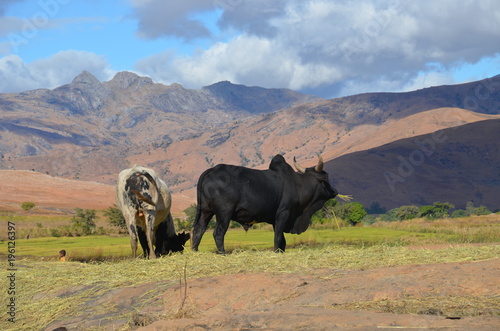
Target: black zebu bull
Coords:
[[279, 196], [144, 200]]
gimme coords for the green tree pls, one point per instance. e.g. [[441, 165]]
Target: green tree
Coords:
[[84, 220], [352, 212], [438, 210], [190, 214], [326, 213], [406, 212], [187, 223], [469, 207], [472, 210], [115, 217], [27, 205], [369, 219], [481, 210], [459, 213]]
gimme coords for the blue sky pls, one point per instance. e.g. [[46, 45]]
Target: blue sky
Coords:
[[324, 47]]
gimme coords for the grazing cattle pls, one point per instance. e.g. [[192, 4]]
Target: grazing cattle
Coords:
[[279, 196], [144, 200]]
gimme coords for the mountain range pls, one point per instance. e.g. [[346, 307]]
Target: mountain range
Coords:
[[90, 130]]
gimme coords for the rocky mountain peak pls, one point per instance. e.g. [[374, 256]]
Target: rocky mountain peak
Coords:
[[86, 78], [125, 79], [85, 93]]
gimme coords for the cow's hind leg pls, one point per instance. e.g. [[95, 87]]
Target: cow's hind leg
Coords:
[[221, 227], [144, 241], [133, 242], [150, 225], [132, 230], [200, 225]]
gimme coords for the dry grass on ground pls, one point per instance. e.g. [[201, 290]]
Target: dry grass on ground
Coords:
[[52, 290]]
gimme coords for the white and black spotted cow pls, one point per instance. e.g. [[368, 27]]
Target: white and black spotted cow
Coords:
[[145, 201]]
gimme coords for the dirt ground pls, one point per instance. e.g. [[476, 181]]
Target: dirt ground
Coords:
[[433, 296]]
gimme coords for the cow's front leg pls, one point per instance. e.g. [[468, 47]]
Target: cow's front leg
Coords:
[[279, 236], [221, 227]]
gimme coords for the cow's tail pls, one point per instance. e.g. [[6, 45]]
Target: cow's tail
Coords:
[[153, 188], [199, 193], [143, 198]]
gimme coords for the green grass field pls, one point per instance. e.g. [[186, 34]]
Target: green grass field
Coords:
[[99, 247], [113, 247], [483, 229]]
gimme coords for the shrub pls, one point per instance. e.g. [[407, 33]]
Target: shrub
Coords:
[[406, 212], [369, 219], [459, 213], [481, 210], [471, 210], [115, 217], [190, 216], [438, 210], [352, 212], [325, 214], [84, 221], [190, 212], [27, 205]]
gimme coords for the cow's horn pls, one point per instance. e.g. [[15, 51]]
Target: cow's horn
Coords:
[[319, 166], [298, 167]]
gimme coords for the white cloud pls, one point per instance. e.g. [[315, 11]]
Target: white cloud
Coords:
[[340, 46], [56, 70], [246, 59], [328, 47]]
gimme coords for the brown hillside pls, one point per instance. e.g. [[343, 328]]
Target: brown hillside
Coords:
[[452, 165], [52, 194], [49, 192]]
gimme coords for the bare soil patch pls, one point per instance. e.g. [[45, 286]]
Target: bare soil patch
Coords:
[[452, 296]]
